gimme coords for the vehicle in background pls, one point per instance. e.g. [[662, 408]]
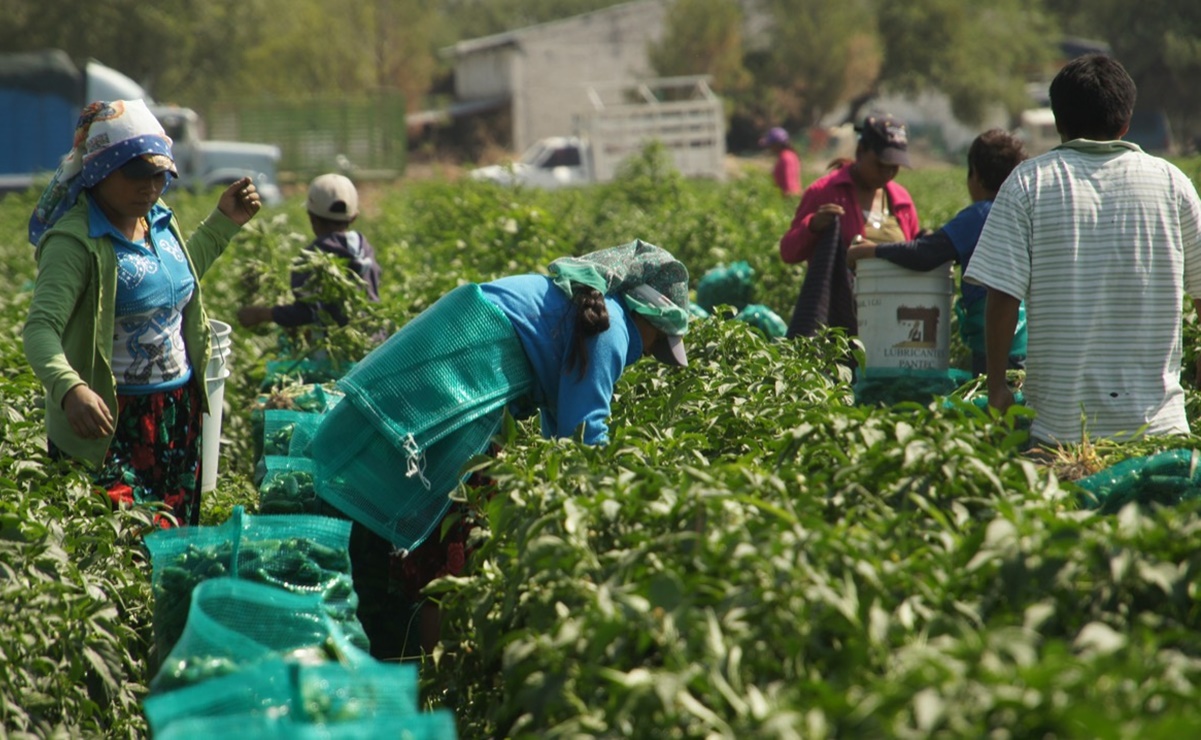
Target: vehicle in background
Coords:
[[1036, 129], [44, 93], [1148, 128], [680, 113]]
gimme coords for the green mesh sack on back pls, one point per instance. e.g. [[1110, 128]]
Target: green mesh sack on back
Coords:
[[767, 321], [288, 486], [1165, 478], [233, 623], [299, 553], [416, 410], [728, 285], [890, 386]]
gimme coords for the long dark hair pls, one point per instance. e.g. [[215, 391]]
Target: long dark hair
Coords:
[[591, 318]]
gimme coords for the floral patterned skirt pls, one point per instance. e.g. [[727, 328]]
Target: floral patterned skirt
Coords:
[[155, 453]]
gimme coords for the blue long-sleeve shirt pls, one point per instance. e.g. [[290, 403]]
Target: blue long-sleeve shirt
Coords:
[[544, 319]]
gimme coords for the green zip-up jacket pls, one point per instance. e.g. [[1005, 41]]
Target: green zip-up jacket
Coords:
[[69, 333]]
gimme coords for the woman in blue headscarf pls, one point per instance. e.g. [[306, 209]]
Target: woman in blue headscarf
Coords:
[[419, 406], [116, 331]]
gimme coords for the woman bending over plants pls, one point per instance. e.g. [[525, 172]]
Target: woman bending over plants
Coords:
[[418, 407]]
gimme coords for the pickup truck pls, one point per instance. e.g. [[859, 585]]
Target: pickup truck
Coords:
[[680, 113], [555, 162], [44, 92]]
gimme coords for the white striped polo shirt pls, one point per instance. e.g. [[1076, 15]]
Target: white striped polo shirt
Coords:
[[1102, 241]]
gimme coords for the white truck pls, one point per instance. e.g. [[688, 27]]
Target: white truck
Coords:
[[680, 113], [44, 93]]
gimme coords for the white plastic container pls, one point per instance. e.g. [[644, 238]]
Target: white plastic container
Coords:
[[214, 381], [904, 315]]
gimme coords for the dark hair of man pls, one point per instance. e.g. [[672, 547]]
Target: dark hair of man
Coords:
[[591, 318], [992, 156], [1092, 97], [321, 225]]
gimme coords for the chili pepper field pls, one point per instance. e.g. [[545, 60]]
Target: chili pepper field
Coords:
[[752, 554]]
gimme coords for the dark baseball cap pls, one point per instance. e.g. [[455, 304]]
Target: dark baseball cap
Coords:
[[888, 137]]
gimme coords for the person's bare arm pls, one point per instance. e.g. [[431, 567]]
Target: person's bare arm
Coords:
[[1197, 369], [1000, 322]]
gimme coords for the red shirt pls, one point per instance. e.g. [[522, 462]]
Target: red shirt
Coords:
[[787, 172], [837, 187]]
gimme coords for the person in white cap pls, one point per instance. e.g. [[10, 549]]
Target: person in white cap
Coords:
[[333, 205], [117, 332]]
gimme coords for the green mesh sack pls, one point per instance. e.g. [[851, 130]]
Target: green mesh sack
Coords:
[[278, 427], [416, 410], [304, 684], [767, 321], [311, 398], [1165, 478], [975, 390], [299, 553], [696, 312], [302, 370], [436, 725], [729, 285], [285, 434], [890, 386], [239, 689], [233, 623], [288, 486]]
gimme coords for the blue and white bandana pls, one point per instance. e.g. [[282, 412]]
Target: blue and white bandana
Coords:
[[108, 135]]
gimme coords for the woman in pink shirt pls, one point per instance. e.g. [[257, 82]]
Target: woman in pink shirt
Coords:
[[787, 172], [861, 195]]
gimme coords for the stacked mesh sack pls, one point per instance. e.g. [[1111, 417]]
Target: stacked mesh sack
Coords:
[[302, 371], [1166, 478], [259, 662], [726, 285], [285, 471], [733, 285], [301, 554], [283, 422], [889, 386]]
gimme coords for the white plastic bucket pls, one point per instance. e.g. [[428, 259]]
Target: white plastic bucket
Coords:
[[904, 315], [214, 381]]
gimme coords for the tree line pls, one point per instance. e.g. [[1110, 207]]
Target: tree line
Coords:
[[790, 61]]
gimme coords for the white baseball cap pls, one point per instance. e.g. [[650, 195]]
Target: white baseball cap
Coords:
[[333, 197]]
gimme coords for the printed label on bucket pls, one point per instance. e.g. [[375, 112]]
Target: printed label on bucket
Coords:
[[913, 339]]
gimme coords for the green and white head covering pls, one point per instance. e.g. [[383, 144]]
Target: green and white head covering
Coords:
[[650, 281]]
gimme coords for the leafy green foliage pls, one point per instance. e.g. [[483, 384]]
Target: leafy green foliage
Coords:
[[803, 563], [752, 554]]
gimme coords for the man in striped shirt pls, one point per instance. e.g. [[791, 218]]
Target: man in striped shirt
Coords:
[[1102, 241]]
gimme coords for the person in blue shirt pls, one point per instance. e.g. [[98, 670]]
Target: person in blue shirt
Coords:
[[117, 330], [991, 157], [431, 397]]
